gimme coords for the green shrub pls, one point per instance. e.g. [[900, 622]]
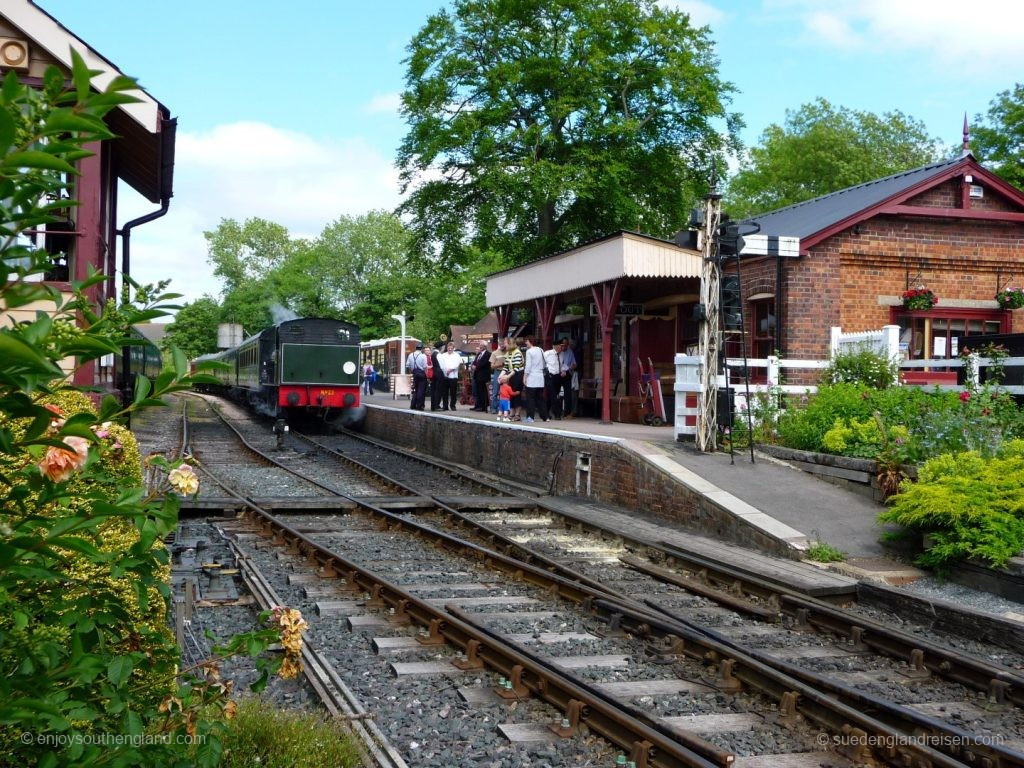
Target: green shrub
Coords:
[[804, 428], [271, 738], [969, 506]]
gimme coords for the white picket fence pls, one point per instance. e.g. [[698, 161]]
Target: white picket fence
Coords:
[[884, 341]]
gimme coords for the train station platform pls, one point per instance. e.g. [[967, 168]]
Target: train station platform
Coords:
[[788, 503]]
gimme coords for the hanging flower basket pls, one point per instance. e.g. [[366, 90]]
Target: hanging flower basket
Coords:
[[919, 298], [1010, 298]]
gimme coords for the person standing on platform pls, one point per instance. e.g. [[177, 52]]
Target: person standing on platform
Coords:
[[450, 362], [481, 371], [497, 368], [566, 374], [551, 380], [437, 383], [416, 364], [514, 362], [368, 378], [533, 380]]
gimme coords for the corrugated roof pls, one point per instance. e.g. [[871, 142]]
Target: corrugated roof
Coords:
[[811, 216]]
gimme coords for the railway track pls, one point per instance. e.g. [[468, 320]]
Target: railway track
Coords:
[[672, 641]]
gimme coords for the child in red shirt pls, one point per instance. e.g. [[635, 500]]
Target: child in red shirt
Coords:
[[505, 394]]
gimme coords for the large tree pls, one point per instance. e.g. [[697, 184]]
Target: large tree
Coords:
[[537, 124], [194, 330], [820, 149], [999, 140], [247, 256]]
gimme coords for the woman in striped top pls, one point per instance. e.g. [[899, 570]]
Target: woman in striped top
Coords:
[[515, 361]]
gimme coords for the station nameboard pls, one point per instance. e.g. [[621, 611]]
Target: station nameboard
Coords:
[[625, 308]]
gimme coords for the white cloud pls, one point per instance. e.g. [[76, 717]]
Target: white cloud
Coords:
[[384, 103], [964, 39], [701, 14], [245, 170]]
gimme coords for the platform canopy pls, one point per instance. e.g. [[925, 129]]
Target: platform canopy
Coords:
[[617, 256]]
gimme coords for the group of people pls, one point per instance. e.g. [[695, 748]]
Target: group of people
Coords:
[[513, 382]]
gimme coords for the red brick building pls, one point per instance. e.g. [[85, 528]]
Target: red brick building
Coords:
[[141, 155], [952, 227]]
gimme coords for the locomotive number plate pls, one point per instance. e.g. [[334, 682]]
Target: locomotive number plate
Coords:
[[326, 392]]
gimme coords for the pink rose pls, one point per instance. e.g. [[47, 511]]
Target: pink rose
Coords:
[[61, 463]]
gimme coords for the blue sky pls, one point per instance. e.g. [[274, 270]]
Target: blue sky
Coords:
[[288, 111]]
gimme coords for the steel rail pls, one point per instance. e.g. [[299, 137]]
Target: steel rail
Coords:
[[647, 747], [999, 683], [336, 696], [762, 673], [915, 726], [499, 541], [425, 460]]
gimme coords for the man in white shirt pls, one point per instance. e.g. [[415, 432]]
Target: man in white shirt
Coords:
[[449, 360], [552, 380], [533, 381], [416, 364]]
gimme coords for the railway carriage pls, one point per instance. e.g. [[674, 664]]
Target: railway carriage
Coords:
[[304, 366]]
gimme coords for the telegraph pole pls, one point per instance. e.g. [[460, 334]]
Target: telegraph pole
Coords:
[[710, 337]]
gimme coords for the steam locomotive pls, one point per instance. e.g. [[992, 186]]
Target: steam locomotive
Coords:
[[308, 366]]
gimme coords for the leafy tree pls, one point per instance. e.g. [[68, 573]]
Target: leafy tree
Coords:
[[248, 257], [539, 124], [459, 299], [821, 149], [194, 330], [999, 141], [362, 267]]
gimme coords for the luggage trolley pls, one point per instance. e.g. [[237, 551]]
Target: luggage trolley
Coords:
[[650, 394]]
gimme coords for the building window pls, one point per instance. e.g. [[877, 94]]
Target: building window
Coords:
[[940, 334], [762, 327]]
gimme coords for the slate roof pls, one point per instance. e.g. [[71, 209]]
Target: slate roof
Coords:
[[811, 216]]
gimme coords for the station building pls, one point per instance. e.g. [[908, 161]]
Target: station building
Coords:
[[141, 155], [951, 227]]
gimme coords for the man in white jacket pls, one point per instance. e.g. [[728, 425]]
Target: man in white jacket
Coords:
[[449, 360], [533, 381]]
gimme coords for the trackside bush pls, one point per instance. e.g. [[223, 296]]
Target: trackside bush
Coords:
[[968, 506], [85, 651]]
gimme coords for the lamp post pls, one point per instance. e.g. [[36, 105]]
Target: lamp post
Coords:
[[401, 354]]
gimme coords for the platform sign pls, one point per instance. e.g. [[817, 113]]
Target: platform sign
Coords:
[[629, 309]]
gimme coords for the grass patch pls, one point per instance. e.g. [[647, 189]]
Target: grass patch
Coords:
[[272, 738], [820, 552]]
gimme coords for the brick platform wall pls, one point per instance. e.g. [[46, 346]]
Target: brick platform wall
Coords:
[[618, 477]]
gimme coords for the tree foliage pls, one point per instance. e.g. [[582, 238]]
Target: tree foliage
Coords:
[[194, 330], [357, 269], [536, 125], [820, 149], [999, 140]]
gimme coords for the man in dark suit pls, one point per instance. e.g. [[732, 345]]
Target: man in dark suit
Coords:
[[481, 369]]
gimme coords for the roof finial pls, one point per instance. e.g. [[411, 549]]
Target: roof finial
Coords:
[[967, 135]]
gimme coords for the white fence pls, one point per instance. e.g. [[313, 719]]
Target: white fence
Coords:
[[884, 341]]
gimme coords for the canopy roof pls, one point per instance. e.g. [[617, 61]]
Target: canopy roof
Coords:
[[621, 254]]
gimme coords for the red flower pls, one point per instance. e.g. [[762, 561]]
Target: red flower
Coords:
[[965, 396]]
